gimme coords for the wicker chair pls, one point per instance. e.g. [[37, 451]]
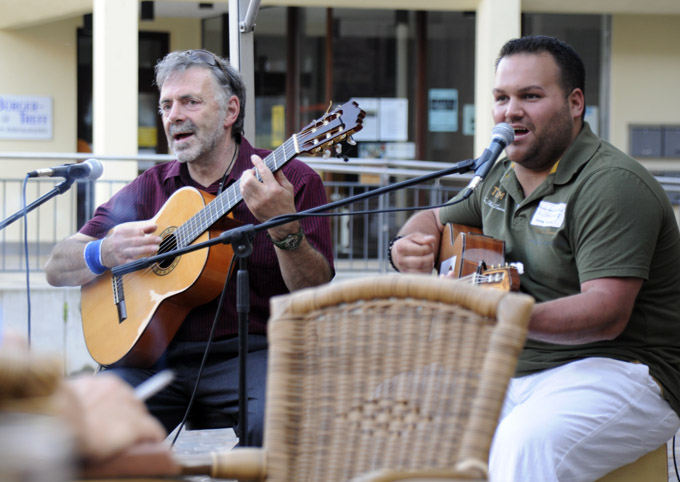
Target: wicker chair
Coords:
[[381, 378]]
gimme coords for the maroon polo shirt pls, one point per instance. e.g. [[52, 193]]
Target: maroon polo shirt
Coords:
[[144, 197]]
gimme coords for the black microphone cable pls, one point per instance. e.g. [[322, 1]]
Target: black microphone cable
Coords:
[[675, 460], [206, 352]]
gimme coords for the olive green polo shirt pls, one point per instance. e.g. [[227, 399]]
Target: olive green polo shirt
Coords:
[[598, 214]]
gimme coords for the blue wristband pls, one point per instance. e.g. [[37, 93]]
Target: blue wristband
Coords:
[[93, 257]]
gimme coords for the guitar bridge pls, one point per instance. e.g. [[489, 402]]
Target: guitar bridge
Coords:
[[119, 297]]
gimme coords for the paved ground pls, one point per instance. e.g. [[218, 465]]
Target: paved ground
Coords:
[[193, 442], [205, 441]]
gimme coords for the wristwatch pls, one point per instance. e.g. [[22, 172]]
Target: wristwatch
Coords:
[[290, 242]]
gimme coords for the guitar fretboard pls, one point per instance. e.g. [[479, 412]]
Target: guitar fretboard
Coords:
[[225, 202]]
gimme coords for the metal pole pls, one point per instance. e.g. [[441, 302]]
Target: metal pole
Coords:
[[242, 54], [248, 25]]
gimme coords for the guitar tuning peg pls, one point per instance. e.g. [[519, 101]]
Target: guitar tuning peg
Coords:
[[338, 149], [519, 266], [326, 153], [351, 141]]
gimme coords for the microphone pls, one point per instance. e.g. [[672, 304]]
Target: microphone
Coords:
[[89, 170], [501, 136]]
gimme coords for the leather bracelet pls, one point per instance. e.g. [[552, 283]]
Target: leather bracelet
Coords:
[[389, 251]]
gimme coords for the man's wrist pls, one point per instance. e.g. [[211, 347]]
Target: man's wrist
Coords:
[[93, 257], [389, 251], [290, 242]]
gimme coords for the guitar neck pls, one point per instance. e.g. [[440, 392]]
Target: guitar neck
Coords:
[[230, 197]]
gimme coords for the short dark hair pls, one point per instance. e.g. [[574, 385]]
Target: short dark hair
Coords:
[[225, 74], [568, 61]]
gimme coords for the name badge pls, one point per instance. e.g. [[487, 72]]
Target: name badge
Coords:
[[549, 215]]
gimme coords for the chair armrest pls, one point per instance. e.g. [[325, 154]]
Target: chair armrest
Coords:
[[243, 464], [142, 460]]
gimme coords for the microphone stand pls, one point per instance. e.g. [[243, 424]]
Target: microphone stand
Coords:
[[60, 188], [241, 239]]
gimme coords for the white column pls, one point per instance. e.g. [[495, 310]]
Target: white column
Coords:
[[497, 22], [115, 85]]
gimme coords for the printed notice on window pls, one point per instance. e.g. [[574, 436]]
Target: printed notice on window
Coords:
[[386, 119], [443, 110]]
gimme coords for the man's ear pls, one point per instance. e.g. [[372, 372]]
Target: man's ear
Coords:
[[577, 103], [233, 110]]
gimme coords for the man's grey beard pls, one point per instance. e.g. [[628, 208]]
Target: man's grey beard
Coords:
[[182, 155], [203, 143], [185, 155], [202, 146]]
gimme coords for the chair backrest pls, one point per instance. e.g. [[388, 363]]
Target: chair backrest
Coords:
[[404, 372]]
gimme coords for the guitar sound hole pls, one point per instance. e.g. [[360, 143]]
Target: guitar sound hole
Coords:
[[169, 243]]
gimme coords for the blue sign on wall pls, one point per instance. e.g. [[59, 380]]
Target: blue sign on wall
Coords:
[[25, 117]]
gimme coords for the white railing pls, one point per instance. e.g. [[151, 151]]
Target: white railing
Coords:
[[360, 240]]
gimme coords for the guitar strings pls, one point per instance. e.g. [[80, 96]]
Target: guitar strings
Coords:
[[171, 242], [205, 217], [476, 278]]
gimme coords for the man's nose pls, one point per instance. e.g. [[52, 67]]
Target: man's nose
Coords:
[[175, 113], [513, 109]]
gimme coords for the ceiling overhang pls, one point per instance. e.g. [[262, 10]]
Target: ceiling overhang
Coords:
[[25, 13]]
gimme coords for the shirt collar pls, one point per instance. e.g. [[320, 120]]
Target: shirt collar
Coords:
[[577, 155], [174, 170]]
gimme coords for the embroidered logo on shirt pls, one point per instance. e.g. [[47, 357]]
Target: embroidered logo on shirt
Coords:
[[549, 215], [494, 198], [498, 193]]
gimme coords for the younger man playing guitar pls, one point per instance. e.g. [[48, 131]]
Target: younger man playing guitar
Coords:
[[202, 106], [598, 383]]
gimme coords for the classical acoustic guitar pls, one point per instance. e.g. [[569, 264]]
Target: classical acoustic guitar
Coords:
[[476, 259], [130, 319]]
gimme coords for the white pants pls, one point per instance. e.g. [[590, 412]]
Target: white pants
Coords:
[[578, 422]]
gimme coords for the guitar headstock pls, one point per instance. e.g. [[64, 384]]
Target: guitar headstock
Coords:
[[504, 277], [332, 129]]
